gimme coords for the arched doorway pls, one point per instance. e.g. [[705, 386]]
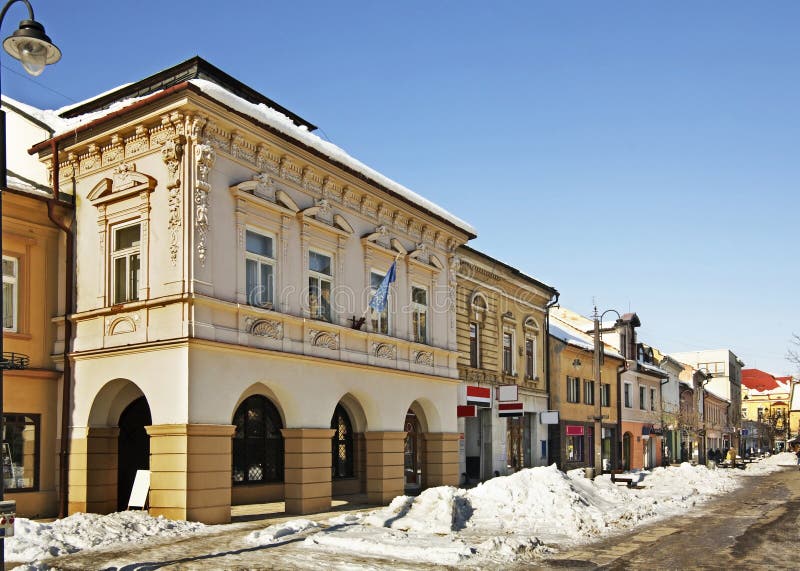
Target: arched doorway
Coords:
[[257, 443], [413, 452], [342, 453], [626, 451], [133, 447]]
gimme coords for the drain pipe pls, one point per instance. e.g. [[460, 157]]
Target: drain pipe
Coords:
[[547, 307], [63, 466]]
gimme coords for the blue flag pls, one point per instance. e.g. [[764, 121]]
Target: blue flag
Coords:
[[381, 295]]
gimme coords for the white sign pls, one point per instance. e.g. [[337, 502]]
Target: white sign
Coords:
[[141, 486], [549, 417], [507, 393]]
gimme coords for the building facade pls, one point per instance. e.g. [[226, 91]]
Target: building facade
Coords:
[[223, 338]]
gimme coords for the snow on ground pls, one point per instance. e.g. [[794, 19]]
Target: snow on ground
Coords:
[[516, 517]]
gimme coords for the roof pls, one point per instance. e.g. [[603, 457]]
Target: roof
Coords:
[[758, 380], [514, 271], [571, 335]]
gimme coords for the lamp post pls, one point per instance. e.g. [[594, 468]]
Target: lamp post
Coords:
[[597, 366], [31, 46]]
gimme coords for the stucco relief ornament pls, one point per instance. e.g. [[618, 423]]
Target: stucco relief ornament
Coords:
[[171, 154], [424, 358], [324, 339], [384, 350], [267, 328], [204, 156]]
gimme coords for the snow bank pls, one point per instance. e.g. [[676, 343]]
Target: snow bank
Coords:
[[273, 533]]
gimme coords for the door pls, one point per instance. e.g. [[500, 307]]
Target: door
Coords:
[[133, 448]]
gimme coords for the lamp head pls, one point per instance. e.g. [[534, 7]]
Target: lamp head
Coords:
[[31, 46]]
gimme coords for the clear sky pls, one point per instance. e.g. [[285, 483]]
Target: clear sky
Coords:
[[640, 154]]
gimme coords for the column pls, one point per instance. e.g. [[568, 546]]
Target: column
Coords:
[[190, 471], [385, 461], [307, 469], [93, 471], [441, 459]]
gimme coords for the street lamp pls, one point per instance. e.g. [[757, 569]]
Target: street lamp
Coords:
[[30, 45], [598, 361]]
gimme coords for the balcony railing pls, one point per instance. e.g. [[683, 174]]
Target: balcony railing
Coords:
[[15, 361]]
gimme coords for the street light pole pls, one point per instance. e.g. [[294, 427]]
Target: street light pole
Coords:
[[598, 379], [31, 46]]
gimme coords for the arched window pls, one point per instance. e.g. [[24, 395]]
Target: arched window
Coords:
[[257, 442], [342, 444]]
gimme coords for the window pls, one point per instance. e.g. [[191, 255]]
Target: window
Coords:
[[588, 392], [628, 395], [125, 263], [508, 353], [342, 444], [744, 412], [573, 389], [714, 369], [530, 358], [642, 398], [21, 452], [380, 321], [575, 448], [10, 293], [319, 285], [257, 442], [474, 346], [260, 269], [419, 314], [605, 394], [652, 399]]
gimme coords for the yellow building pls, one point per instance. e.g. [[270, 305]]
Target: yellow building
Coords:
[[501, 316], [766, 410], [33, 322]]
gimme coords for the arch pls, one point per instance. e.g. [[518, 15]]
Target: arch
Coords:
[[342, 445], [478, 306], [257, 442], [264, 390], [531, 325], [122, 325], [413, 449], [135, 444], [352, 405], [111, 400]]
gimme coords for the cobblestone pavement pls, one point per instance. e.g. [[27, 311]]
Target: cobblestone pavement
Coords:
[[754, 527]]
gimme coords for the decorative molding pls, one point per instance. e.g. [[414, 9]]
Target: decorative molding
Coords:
[[324, 339], [384, 350], [117, 325], [423, 358], [204, 159], [125, 183], [171, 154], [265, 328]]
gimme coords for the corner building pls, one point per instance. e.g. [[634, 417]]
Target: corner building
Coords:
[[226, 256]]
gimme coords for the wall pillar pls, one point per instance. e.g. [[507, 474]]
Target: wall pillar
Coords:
[[93, 471], [307, 469], [190, 471], [385, 461], [441, 459]]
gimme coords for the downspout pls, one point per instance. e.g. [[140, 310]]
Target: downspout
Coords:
[[547, 307], [63, 465], [621, 369]]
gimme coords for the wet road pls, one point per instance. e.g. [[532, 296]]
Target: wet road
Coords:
[[754, 527]]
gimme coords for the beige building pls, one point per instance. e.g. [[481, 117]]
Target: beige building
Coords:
[[33, 320], [227, 256], [501, 316]]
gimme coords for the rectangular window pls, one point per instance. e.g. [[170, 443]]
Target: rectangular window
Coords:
[[575, 448], [508, 353], [474, 346], [605, 394], [320, 284], [21, 452], [573, 389], [642, 398], [125, 263], [260, 269], [530, 358], [380, 321], [588, 392], [628, 395], [652, 399], [419, 314], [10, 293]]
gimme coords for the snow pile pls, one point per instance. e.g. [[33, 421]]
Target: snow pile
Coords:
[[273, 533], [81, 531]]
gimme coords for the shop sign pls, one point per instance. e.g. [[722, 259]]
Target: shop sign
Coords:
[[479, 396], [507, 393], [466, 411], [574, 430], [510, 409]]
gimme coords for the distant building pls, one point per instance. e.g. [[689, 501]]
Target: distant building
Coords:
[[766, 406]]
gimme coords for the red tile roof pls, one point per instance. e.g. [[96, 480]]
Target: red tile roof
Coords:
[[758, 380]]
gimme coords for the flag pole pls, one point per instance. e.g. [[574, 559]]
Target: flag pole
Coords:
[[358, 323]]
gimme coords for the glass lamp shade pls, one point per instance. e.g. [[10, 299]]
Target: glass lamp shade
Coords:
[[31, 46]]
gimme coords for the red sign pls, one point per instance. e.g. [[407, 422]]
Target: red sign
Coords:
[[573, 430], [466, 411], [479, 396], [509, 409]]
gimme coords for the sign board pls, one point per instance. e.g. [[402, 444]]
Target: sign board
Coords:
[[141, 486], [479, 396], [509, 409], [8, 509], [466, 411], [744, 432], [574, 430], [507, 393], [549, 417]]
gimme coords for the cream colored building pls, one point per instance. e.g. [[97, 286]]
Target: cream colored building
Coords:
[[225, 257], [501, 316]]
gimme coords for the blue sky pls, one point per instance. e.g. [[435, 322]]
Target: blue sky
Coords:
[[641, 154]]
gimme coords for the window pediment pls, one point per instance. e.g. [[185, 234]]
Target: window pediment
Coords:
[[126, 182]]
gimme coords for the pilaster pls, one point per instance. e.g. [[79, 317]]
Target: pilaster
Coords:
[[385, 463], [93, 471], [307, 469], [441, 459]]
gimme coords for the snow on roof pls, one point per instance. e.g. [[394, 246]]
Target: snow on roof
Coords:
[[570, 335], [17, 183]]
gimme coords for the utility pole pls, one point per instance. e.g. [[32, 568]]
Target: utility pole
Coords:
[[598, 417]]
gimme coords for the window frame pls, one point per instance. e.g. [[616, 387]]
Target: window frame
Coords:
[[588, 391], [126, 254], [419, 334], [652, 399], [530, 357], [376, 321], [627, 395], [474, 345], [14, 297], [642, 397], [508, 352], [270, 411], [342, 469], [573, 389], [260, 260], [605, 394], [9, 419], [321, 278]]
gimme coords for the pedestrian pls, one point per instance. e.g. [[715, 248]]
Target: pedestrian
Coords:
[[798, 458]]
